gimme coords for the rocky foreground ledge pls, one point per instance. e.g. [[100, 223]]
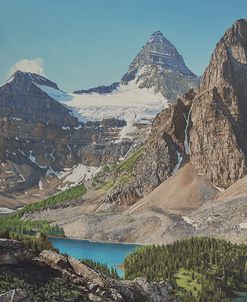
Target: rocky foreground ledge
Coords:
[[92, 285]]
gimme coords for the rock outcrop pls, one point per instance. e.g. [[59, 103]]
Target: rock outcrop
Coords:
[[75, 276], [13, 252], [15, 295], [99, 89]]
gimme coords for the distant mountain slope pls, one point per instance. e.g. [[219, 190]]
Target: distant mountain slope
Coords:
[[40, 138], [25, 95]]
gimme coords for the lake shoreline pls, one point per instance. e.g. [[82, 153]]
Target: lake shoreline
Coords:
[[110, 253], [98, 241]]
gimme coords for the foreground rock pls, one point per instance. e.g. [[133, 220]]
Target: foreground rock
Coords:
[[13, 252], [15, 295], [67, 276]]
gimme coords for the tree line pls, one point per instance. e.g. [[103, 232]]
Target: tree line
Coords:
[[217, 265], [25, 230]]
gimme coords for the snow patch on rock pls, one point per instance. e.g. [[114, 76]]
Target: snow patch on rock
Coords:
[[78, 174], [243, 225], [55, 94], [180, 159]]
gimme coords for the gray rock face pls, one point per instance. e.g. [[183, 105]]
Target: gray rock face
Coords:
[[99, 89], [159, 66]]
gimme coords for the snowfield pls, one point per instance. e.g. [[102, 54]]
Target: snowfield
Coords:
[[128, 102], [76, 175], [57, 95]]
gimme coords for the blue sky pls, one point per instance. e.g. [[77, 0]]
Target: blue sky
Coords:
[[85, 43]]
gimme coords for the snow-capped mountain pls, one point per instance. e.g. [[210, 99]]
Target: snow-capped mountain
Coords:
[[156, 76], [159, 67], [128, 103]]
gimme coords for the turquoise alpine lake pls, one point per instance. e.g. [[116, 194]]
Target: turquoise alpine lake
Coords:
[[112, 254], [241, 297]]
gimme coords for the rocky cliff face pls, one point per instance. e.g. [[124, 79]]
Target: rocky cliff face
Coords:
[[39, 136], [68, 277], [165, 151], [31, 150], [218, 147], [157, 66], [210, 126]]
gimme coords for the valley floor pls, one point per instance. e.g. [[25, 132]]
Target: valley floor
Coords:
[[165, 215]]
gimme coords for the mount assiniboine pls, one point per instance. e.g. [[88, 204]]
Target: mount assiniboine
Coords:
[[156, 76], [157, 66]]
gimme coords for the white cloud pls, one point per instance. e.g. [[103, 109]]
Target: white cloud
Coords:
[[32, 65]]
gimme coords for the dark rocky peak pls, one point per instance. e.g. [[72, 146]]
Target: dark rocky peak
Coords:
[[157, 43], [159, 66], [21, 78], [160, 52], [31, 97], [99, 89]]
